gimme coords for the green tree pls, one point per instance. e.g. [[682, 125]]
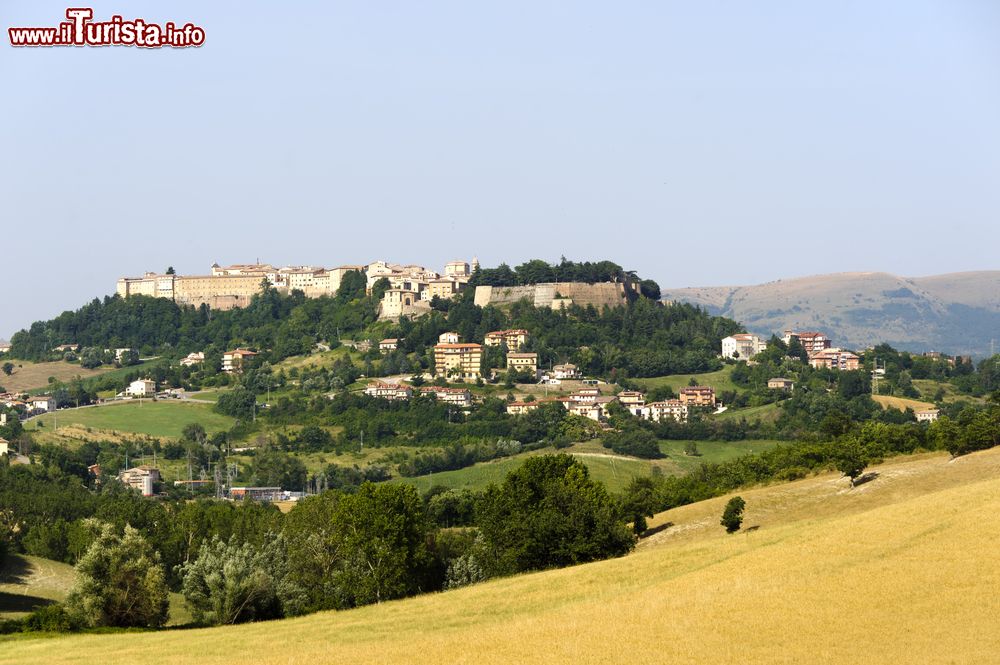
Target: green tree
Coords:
[[640, 501], [850, 458], [549, 513], [8, 368], [732, 516], [120, 581], [273, 468], [233, 582]]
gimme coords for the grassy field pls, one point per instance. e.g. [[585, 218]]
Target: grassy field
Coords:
[[767, 412], [163, 419], [823, 580], [613, 470], [34, 377], [29, 376], [929, 388], [901, 403], [720, 380], [28, 582]]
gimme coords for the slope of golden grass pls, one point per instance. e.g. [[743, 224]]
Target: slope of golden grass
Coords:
[[901, 403], [900, 569], [29, 376]]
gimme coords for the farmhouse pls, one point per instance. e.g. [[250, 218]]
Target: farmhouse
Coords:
[[779, 383], [41, 403], [927, 415], [141, 388]]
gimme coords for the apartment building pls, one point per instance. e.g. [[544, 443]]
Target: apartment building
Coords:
[[233, 361], [514, 339], [812, 342], [671, 408], [742, 346], [388, 345], [697, 396], [458, 361], [835, 358], [141, 388], [523, 363]]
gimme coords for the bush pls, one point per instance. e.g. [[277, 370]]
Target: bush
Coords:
[[732, 516]]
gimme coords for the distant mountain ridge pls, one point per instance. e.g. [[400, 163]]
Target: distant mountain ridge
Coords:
[[956, 313]]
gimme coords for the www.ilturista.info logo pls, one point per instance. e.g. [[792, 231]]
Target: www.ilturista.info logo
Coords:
[[81, 30]]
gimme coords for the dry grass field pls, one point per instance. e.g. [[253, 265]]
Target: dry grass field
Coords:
[[901, 403], [900, 569], [30, 376]]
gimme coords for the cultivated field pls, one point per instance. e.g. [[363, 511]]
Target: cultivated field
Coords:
[[901, 403], [899, 569], [163, 419]]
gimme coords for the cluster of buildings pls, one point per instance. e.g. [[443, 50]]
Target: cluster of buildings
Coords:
[[459, 397], [819, 347], [412, 287], [590, 403]]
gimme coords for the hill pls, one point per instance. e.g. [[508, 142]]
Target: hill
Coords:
[[822, 580], [956, 313]]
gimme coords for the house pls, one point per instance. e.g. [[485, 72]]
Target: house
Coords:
[[63, 348], [141, 388], [671, 408], [742, 346], [589, 410], [193, 359], [523, 363], [460, 397], [812, 342], [449, 338], [232, 361], [41, 403], [631, 399], [4, 446], [697, 396], [566, 371], [521, 408], [835, 358], [390, 391], [388, 345], [458, 361], [4, 347], [399, 302], [927, 415], [141, 478], [514, 339], [779, 383]]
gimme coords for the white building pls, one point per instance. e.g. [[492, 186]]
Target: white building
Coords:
[[141, 388], [671, 408], [927, 415], [449, 338], [743, 346], [41, 403], [566, 371], [191, 359]]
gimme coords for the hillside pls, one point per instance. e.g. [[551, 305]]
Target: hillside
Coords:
[[957, 313], [822, 580]]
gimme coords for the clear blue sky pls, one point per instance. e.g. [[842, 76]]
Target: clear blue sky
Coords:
[[699, 143]]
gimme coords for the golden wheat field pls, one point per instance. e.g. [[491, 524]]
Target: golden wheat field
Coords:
[[901, 569]]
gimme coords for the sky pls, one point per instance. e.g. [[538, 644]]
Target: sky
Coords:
[[698, 143]]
